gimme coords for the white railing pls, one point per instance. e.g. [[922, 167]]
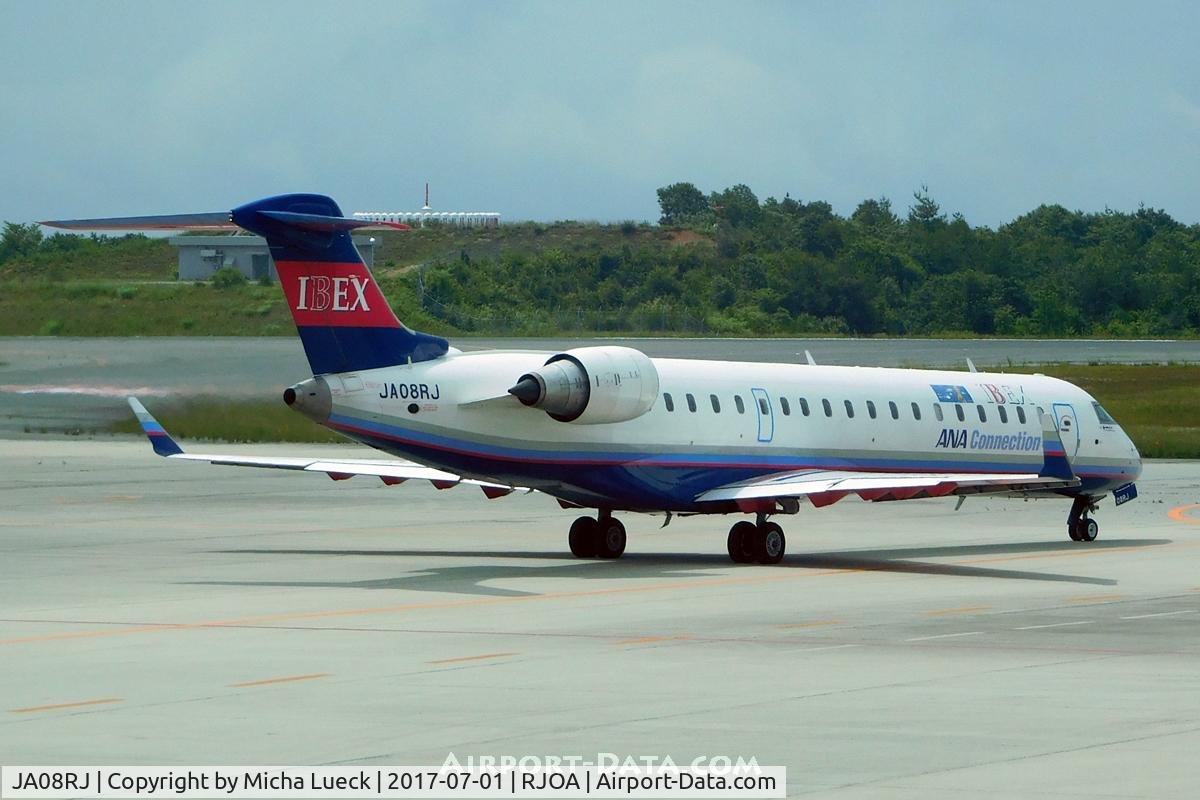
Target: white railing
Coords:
[[461, 219]]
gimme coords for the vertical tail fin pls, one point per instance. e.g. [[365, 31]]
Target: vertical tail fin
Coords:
[[345, 323]]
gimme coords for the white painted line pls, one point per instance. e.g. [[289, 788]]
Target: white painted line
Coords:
[[1055, 625], [943, 636], [831, 647], [1162, 614]]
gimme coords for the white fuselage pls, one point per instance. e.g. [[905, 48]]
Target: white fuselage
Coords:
[[715, 422]]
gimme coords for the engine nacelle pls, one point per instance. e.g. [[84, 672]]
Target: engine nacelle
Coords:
[[591, 385]]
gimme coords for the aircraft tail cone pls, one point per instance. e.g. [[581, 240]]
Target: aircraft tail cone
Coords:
[[311, 398]]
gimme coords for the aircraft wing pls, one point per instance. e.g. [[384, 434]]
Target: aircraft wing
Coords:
[[825, 487], [390, 471]]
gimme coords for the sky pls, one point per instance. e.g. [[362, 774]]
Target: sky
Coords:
[[581, 110]]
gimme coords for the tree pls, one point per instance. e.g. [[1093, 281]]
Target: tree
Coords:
[[738, 205], [875, 215], [680, 203], [925, 211], [19, 240]]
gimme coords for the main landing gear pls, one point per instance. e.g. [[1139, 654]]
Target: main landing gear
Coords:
[[763, 542], [1081, 527], [601, 536]]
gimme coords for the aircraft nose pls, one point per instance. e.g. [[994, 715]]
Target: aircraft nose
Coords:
[[1135, 458]]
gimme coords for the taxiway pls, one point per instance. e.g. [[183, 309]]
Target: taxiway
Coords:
[[166, 613]]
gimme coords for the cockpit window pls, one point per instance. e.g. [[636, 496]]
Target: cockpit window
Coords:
[[1104, 417]]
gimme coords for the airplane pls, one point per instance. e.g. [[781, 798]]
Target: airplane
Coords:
[[610, 429]]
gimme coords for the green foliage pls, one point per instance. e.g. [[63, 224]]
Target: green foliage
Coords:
[[730, 264], [681, 204], [19, 240], [233, 421], [227, 278]]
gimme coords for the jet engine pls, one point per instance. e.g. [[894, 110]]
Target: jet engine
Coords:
[[591, 385]]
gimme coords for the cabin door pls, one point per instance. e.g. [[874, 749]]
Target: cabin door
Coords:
[[1068, 427], [766, 417]]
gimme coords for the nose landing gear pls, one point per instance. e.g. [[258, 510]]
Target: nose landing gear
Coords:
[[764, 542], [1081, 527]]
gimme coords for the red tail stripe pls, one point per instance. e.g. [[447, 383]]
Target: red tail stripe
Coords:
[[331, 294]]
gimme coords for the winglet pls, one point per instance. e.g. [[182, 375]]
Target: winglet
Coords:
[[1055, 463], [160, 440]]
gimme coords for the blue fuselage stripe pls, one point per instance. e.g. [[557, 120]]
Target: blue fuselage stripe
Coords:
[[644, 476]]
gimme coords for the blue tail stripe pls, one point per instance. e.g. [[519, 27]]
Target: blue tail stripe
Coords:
[[344, 349]]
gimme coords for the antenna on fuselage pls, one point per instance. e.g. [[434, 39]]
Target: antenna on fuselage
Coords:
[[971, 365], [812, 362]]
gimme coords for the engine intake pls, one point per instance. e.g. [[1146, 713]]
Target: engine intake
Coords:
[[591, 385]]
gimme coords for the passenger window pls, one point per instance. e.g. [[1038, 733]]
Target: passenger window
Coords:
[[715, 403], [803, 406], [737, 401], [895, 411], [1003, 414], [668, 401], [1021, 414], [691, 401], [982, 413], [958, 410], [763, 407], [916, 411], [937, 411], [828, 408], [849, 409], [871, 409], [783, 404]]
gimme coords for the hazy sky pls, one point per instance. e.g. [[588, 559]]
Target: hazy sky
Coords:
[[572, 110]]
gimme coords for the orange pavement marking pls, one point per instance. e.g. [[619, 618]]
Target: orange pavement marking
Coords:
[[1179, 514], [813, 624], [650, 639], [1094, 598], [961, 610], [56, 706], [470, 658], [280, 680], [530, 598]]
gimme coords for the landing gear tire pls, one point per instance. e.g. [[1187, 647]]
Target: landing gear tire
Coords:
[[610, 538], [771, 543], [1080, 526], [1087, 529], [741, 542], [584, 537]]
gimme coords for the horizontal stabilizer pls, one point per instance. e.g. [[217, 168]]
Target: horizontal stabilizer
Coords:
[[216, 220], [317, 222]]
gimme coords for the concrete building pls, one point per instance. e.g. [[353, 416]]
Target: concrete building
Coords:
[[201, 256]]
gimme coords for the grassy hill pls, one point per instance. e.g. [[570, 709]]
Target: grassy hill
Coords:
[[126, 286]]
